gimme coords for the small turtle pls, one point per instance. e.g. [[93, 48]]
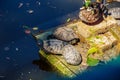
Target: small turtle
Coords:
[[53, 46], [66, 34], [71, 55]]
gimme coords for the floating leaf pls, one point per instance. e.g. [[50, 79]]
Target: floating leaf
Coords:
[[92, 50], [92, 61], [68, 19], [16, 49], [26, 27], [27, 31], [35, 28], [30, 11], [20, 5]]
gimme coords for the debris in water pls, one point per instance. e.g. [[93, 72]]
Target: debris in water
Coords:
[[16, 49], [68, 19], [38, 2], [29, 72], [8, 58], [27, 31], [20, 5], [26, 27], [6, 48], [35, 28], [30, 11]]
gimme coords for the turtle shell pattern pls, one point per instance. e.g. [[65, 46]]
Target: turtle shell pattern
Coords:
[[71, 55], [53, 46], [65, 34]]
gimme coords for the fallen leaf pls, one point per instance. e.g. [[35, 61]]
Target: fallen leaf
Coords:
[[27, 31], [35, 28]]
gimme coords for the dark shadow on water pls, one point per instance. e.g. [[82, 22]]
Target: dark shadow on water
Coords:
[[46, 67], [43, 65]]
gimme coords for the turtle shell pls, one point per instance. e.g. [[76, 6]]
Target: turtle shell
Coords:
[[53, 46], [88, 16], [91, 14], [114, 9], [66, 34], [71, 55], [115, 12]]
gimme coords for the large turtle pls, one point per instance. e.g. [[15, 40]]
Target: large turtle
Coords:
[[71, 55], [66, 34], [52, 46]]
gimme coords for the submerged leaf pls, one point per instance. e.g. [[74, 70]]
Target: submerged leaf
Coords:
[[92, 61], [26, 27]]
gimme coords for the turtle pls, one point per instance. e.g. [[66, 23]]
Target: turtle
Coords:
[[115, 12], [66, 34], [52, 46], [91, 14], [71, 55]]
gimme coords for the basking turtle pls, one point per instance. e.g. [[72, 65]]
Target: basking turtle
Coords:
[[91, 14], [53, 46], [66, 34], [71, 55], [115, 12]]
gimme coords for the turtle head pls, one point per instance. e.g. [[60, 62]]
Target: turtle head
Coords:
[[40, 43], [74, 41]]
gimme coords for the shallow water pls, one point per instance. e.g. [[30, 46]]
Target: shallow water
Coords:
[[19, 59]]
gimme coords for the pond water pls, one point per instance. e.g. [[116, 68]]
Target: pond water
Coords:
[[19, 59]]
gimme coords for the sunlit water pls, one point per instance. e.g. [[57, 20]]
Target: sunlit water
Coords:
[[19, 59]]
